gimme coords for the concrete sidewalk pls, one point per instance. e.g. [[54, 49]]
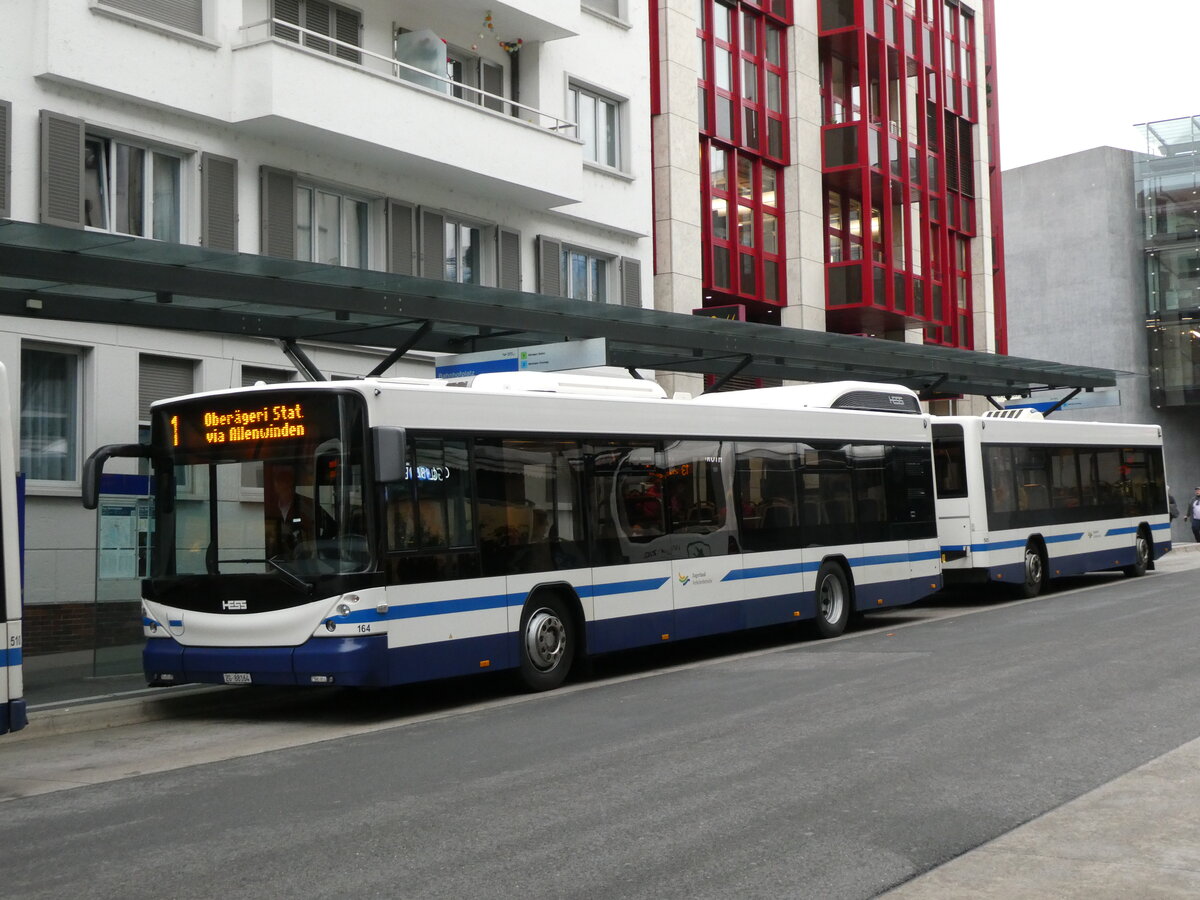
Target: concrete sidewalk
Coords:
[[1137, 836]]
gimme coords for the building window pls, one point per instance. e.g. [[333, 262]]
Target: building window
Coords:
[[585, 274], [464, 245], [331, 228], [743, 76], [50, 414], [744, 233], [599, 125], [186, 15], [610, 8], [130, 189], [318, 20]]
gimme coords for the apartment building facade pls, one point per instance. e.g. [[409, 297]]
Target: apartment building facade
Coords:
[[503, 144]]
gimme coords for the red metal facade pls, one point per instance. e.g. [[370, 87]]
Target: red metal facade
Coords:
[[744, 147], [899, 133], [899, 116]]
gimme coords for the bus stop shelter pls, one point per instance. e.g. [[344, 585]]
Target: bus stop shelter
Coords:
[[68, 274]]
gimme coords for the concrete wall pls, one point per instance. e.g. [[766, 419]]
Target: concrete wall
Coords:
[[1076, 290]]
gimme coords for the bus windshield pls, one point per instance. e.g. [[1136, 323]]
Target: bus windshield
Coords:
[[268, 482]]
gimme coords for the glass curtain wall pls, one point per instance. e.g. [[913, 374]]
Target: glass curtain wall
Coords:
[[1167, 183]]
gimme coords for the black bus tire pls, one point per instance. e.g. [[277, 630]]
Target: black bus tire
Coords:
[[1141, 554], [832, 595], [1035, 570], [547, 642]]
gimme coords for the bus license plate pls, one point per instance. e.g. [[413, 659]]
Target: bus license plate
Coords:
[[237, 677]]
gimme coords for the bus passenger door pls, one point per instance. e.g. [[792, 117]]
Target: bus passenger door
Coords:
[[706, 558], [952, 500], [630, 547]]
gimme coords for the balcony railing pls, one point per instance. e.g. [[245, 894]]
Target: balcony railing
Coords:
[[325, 45]]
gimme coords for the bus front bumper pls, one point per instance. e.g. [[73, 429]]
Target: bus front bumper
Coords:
[[355, 661]]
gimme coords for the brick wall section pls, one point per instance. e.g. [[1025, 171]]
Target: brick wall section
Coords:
[[58, 627]]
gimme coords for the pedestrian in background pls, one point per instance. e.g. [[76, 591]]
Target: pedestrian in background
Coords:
[[1193, 515]]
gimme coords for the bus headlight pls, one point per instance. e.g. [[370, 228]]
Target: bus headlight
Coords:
[[343, 609]]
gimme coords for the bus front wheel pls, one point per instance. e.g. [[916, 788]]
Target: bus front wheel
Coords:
[[833, 600], [1035, 570], [547, 643], [1141, 555]]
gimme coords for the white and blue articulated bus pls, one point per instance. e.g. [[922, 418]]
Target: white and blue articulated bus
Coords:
[[1022, 499], [12, 686], [387, 531]]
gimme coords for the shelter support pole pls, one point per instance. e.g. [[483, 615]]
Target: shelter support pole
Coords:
[[300, 360], [396, 355]]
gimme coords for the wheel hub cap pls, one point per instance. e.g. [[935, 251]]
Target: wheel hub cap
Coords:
[[545, 639]]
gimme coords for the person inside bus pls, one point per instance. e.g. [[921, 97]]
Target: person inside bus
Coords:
[[292, 519]]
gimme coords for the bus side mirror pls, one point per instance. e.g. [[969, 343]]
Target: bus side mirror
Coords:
[[93, 467], [389, 453]]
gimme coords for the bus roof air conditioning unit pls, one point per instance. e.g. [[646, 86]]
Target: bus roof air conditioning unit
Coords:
[[1022, 412]]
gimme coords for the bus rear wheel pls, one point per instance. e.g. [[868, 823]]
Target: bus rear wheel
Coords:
[[833, 600], [547, 643], [1141, 555], [1035, 570]]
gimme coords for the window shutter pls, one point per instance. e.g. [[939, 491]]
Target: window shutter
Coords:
[[631, 282], [186, 15], [218, 202], [549, 266], [252, 375], [160, 377], [508, 258], [433, 244], [491, 79], [5, 158], [966, 159], [951, 152], [286, 11], [400, 235], [316, 18], [62, 170], [278, 201], [347, 25]]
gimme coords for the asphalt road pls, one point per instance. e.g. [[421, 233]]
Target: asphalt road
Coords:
[[749, 767]]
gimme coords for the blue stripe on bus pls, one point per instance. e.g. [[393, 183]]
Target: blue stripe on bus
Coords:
[[1049, 539], [617, 587], [1019, 542], [1161, 526], [796, 568], [495, 601], [771, 571], [10, 657]]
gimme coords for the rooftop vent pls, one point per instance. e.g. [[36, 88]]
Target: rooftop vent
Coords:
[[1021, 412]]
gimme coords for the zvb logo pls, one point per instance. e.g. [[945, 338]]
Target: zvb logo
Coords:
[[233, 604], [684, 579]]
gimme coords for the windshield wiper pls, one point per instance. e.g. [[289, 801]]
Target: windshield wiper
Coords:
[[287, 574]]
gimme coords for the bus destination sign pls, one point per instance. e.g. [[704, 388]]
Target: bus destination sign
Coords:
[[199, 425]]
